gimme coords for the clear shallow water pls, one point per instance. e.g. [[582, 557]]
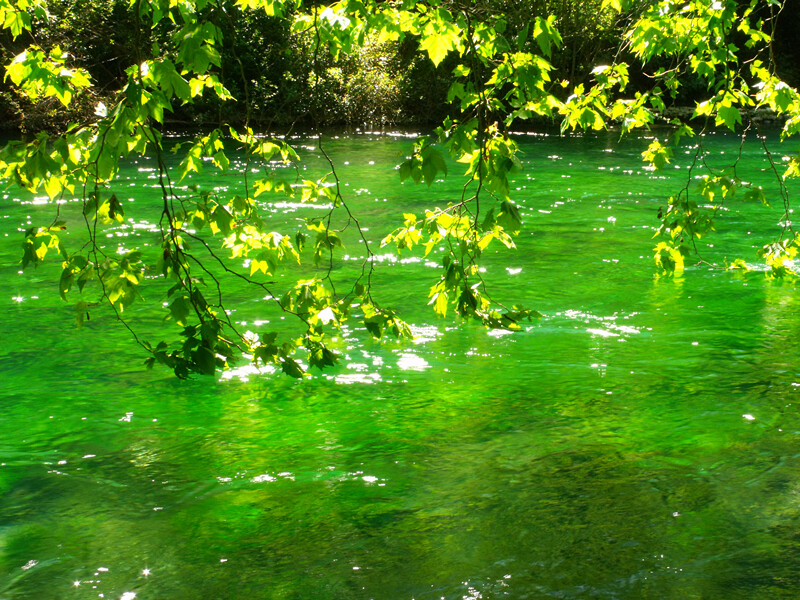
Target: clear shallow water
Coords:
[[640, 441]]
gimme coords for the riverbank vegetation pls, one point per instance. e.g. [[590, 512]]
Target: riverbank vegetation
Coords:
[[378, 83], [91, 83]]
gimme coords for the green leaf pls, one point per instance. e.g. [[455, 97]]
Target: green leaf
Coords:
[[546, 34], [657, 154], [439, 302], [509, 218], [729, 116], [180, 309], [292, 368], [204, 359], [438, 40], [756, 195]]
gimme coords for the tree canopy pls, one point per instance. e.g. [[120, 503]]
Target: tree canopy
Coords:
[[500, 71]]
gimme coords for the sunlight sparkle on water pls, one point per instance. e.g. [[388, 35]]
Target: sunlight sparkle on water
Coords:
[[425, 334], [383, 258], [244, 372], [602, 333], [360, 367], [609, 328], [37, 201], [496, 333], [293, 206], [412, 362], [349, 378]]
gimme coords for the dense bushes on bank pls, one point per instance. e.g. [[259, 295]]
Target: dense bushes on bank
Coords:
[[278, 81]]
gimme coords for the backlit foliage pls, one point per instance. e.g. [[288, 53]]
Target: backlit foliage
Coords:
[[502, 75]]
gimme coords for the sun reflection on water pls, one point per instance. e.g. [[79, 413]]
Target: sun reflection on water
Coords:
[[412, 362]]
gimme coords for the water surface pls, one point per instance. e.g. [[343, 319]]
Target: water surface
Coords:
[[639, 441]]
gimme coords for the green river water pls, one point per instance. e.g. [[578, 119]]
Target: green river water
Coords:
[[642, 440]]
